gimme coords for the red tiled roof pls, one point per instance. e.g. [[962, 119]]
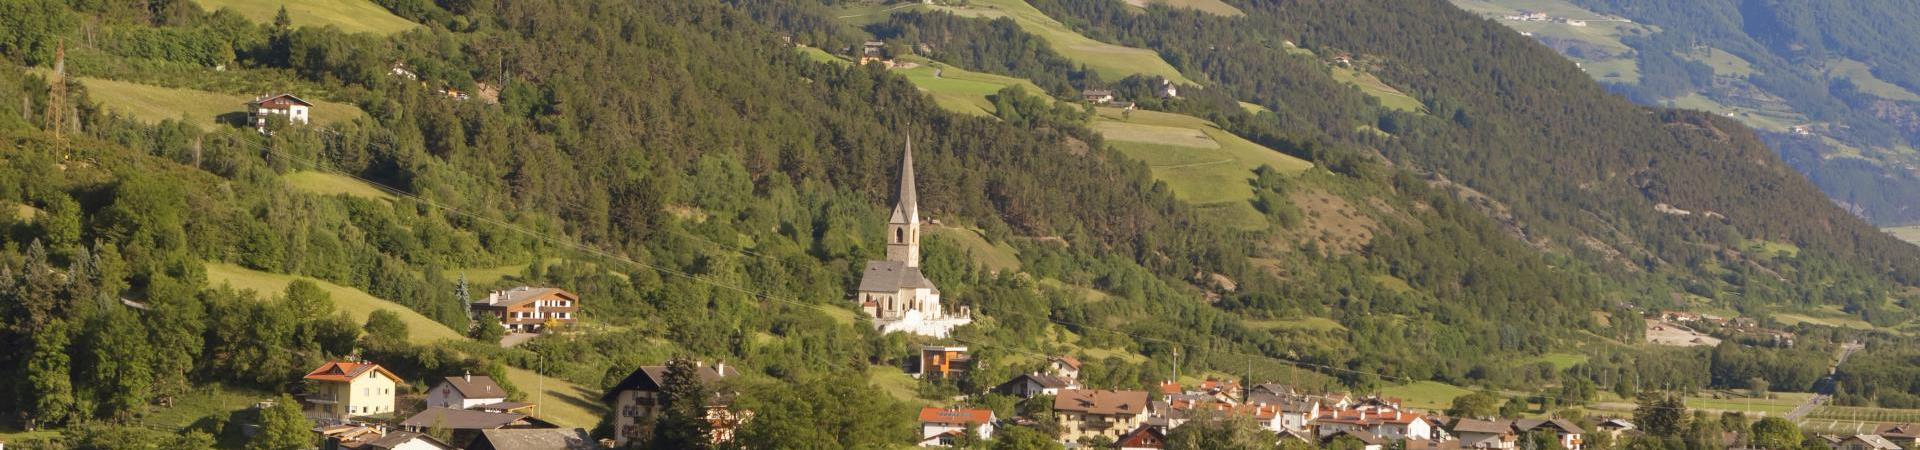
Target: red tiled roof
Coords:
[[1170, 387], [1069, 360], [963, 416], [345, 372]]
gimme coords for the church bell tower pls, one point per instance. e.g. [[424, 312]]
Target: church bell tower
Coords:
[[903, 230]]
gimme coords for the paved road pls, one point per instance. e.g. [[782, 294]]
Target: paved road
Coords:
[[1824, 389]]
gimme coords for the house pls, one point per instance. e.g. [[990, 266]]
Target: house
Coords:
[[466, 425], [1615, 427], [1270, 389], [1125, 106], [406, 440], [533, 439], [1390, 424], [942, 426], [1568, 433], [1434, 444], [1097, 96], [1485, 434], [1034, 384], [1168, 389], [1167, 89], [1067, 367], [1142, 438], [637, 398], [942, 361], [466, 392], [1267, 416], [527, 309], [344, 389], [1902, 434], [1367, 441], [1089, 413], [1865, 442], [399, 69], [1228, 390], [894, 292], [337, 437], [875, 51], [1679, 316], [287, 106]]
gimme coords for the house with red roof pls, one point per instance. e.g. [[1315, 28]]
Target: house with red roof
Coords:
[[344, 389], [942, 427], [1067, 367]]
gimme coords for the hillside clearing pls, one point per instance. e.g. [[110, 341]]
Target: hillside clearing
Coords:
[[1203, 164], [352, 16], [357, 303], [1388, 96], [1427, 395], [999, 257], [563, 403], [960, 90], [1321, 324], [1862, 77], [329, 183], [1910, 233], [208, 110], [1113, 62], [897, 383], [1211, 6], [1609, 59]]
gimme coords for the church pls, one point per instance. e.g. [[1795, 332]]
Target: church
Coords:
[[894, 292]]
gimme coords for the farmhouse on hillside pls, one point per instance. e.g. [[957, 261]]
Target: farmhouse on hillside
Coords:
[[636, 399], [943, 426], [528, 309], [339, 390], [894, 292], [287, 106], [471, 392]]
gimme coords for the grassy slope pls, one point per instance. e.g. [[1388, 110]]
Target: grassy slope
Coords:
[[1606, 35], [1113, 62], [1389, 97], [1203, 164], [1910, 233], [566, 404], [961, 90], [1212, 6], [328, 183], [353, 16], [153, 103], [1862, 77], [996, 257], [1428, 395]]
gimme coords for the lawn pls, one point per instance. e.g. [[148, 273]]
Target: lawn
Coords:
[[1428, 395], [1862, 77], [352, 16], [149, 103], [1305, 323], [1909, 233], [1198, 160], [817, 54], [1113, 62], [1253, 108], [961, 90], [1211, 6], [1832, 320], [329, 183], [1389, 97], [1086, 293], [897, 383], [1779, 406], [203, 401], [1723, 63], [565, 404], [357, 303], [996, 257]]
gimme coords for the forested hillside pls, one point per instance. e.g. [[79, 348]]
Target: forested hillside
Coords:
[[1830, 87], [711, 191]]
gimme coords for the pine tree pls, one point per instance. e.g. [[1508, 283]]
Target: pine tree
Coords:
[[49, 375], [122, 377], [462, 294], [282, 21], [683, 418]]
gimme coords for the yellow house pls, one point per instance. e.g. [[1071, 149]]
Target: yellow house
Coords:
[[341, 390]]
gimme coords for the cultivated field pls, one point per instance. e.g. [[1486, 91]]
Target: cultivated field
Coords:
[[1427, 395], [1113, 62], [352, 16], [149, 103], [329, 183], [1203, 164]]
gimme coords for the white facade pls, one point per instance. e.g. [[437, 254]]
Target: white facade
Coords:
[[894, 292]]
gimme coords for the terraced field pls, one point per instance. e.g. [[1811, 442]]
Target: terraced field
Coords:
[[1203, 164], [352, 16]]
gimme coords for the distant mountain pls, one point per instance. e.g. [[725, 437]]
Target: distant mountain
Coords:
[[1832, 87]]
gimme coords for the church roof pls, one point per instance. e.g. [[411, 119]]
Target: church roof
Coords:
[[908, 208], [892, 276]]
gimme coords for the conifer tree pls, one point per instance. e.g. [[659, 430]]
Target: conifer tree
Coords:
[[49, 375], [683, 418]]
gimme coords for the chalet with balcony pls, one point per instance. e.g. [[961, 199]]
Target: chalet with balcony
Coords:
[[529, 309], [637, 398], [1090, 413], [341, 390]]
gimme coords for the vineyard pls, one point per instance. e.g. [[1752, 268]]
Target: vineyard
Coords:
[[1863, 414]]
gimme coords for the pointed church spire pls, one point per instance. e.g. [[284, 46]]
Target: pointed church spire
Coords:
[[903, 242], [909, 203]]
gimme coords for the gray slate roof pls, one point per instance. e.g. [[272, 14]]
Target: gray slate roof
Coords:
[[892, 276], [478, 387], [539, 439], [461, 419], [395, 439]]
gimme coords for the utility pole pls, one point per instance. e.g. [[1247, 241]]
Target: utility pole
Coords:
[[57, 94]]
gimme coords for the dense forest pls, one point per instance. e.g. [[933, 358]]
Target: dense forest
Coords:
[[713, 192]]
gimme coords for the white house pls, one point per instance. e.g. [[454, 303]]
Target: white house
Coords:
[[466, 392], [1029, 385], [344, 389], [1067, 367], [941, 426], [287, 106]]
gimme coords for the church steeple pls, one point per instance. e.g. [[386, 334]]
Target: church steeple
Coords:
[[903, 229]]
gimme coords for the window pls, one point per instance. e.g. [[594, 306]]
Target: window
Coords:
[[899, 235]]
